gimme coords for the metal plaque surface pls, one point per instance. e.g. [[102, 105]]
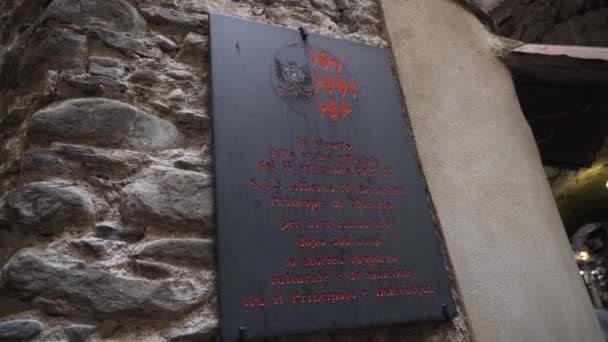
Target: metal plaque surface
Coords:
[[322, 214]]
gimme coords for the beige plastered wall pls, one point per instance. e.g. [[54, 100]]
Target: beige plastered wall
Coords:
[[505, 240]]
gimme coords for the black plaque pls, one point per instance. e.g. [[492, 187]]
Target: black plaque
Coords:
[[322, 215]]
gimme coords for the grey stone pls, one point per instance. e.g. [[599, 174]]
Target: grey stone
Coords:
[[167, 16], [192, 120], [91, 247], [150, 269], [104, 123], [290, 3], [144, 76], [50, 84], [79, 332], [4, 224], [363, 16], [198, 328], [73, 85], [13, 17], [204, 330], [164, 43], [193, 163], [117, 15], [161, 107], [41, 160], [111, 232], [195, 50], [200, 250], [30, 59], [327, 5], [181, 75], [10, 121], [109, 67], [60, 284], [50, 53], [343, 4], [52, 335], [123, 43], [48, 207], [19, 329], [61, 159], [176, 95], [171, 198]]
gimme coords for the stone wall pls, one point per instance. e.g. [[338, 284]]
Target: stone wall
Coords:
[[106, 208]]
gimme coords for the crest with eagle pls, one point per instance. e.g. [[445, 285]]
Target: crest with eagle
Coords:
[[303, 73], [296, 81]]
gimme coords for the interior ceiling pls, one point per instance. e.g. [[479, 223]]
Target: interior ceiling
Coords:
[[563, 93], [561, 78], [570, 125]]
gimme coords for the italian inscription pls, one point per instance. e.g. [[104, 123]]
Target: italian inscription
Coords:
[[327, 228]]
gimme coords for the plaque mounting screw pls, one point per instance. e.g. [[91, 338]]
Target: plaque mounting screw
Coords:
[[243, 334], [303, 33], [446, 314]]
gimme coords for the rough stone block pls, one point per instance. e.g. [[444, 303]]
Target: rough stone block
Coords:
[[150, 269], [52, 335], [61, 159], [181, 75], [30, 59], [110, 232], [327, 5], [167, 16], [194, 121], [123, 43], [193, 163], [199, 329], [164, 43], [19, 329], [63, 285], [104, 66], [48, 208], [195, 50], [79, 332], [171, 198], [116, 15], [200, 250], [145, 76], [177, 96], [73, 85], [104, 123]]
